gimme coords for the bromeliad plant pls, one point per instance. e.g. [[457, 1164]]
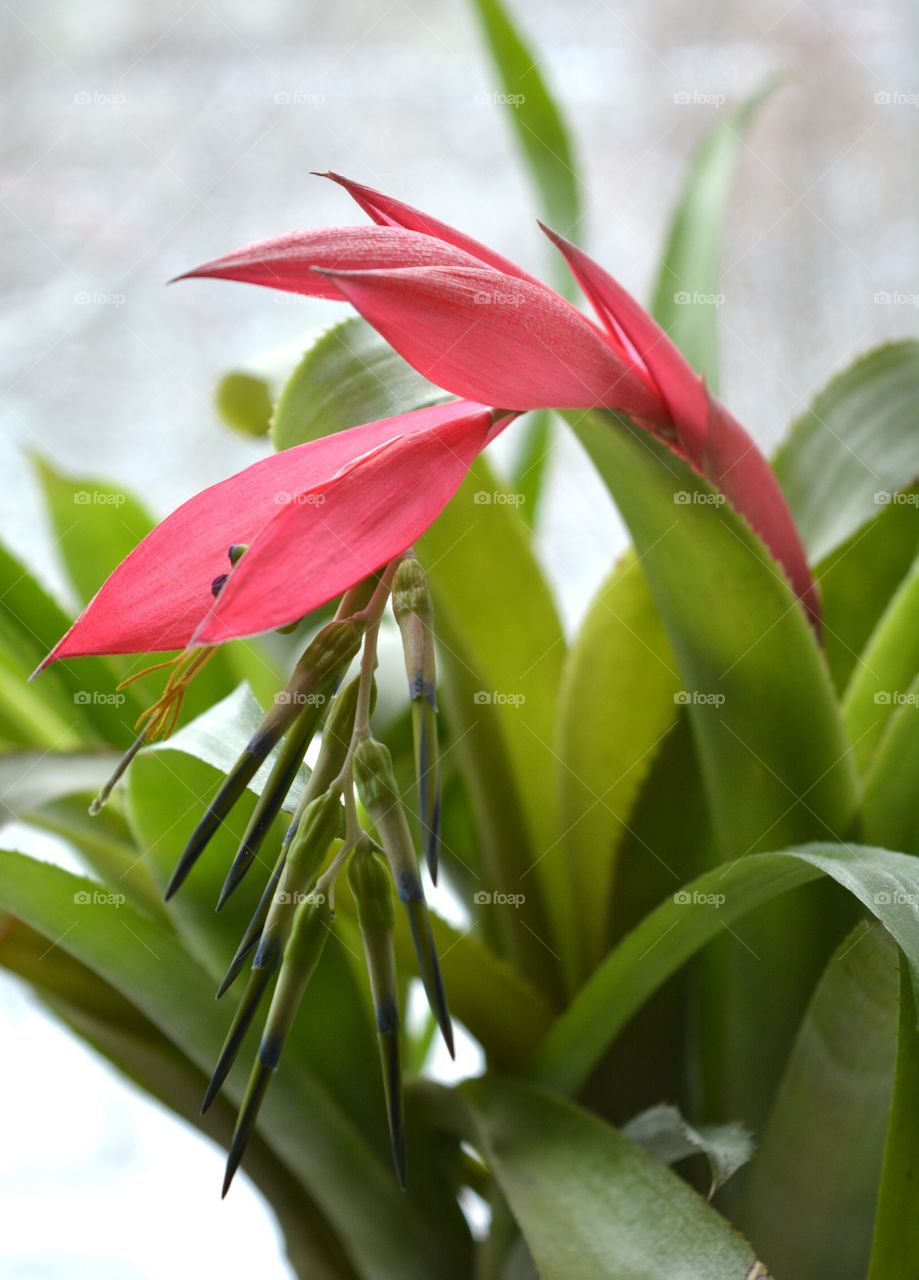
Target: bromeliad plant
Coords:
[[683, 842]]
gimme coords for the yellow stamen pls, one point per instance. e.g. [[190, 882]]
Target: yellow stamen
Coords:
[[160, 719]]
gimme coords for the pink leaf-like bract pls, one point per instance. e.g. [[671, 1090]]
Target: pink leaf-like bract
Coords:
[[385, 482], [498, 339]]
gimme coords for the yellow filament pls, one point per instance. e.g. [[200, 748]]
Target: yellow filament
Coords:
[[160, 719]]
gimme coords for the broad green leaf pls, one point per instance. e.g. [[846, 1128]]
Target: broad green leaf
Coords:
[[591, 1204], [219, 735], [669, 1137], [95, 525], [31, 779], [349, 376], [686, 295], [620, 672], [494, 609], [890, 803], [69, 703], [505, 855], [858, 580], [820, 1155], [885, 671], [771, 745], [113, 1026], [536, 119], [382, 1229], [886, 883], [855, 450], [896, 1231]]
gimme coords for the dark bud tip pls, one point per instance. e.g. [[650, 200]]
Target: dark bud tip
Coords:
[[218, 584]]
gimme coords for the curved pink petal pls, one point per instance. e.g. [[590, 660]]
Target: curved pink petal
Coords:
[[388, 212], [286, 262], [680, 386], [499, 340], [734, 464], [159, 595], [334, 536]]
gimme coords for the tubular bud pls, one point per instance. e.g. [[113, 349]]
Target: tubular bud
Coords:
[[414, 612], [301, 956], [370, 882], [305, 855], [376, 785]]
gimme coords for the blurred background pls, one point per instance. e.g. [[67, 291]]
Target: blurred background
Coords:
[[142, 139]]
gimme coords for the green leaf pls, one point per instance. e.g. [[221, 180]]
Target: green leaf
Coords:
[[536, 119], [896, 1231], [768, 732], [383, 1230], [669, 1137], [858, 580], [855, 450], [890, 804], [494, 609], [687, 285], [590, 1203], [244, 402], [885, 671], [620, 671], [29, 780], [886, 883], [95, 525], [349, 376], [820, 1155]]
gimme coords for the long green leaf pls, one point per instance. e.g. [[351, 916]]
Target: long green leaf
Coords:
[[686, 294], [886, 883], [536, 119], [855, 450], [896, 1231], [770, 740], [383, 1230], [820, 1155], [591, 1204], [620, 672], [347, 377]]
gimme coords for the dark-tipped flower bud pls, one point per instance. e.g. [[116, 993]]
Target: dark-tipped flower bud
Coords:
[[376, 785], [414, 612], [371, 885]]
